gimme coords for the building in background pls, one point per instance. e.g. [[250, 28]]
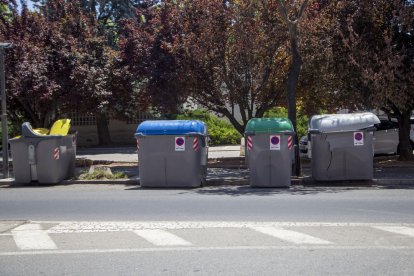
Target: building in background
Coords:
[[122, 132]]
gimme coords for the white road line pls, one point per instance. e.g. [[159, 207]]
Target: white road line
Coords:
[[203, 248], [407, 231], [161, 238], [32, 237], [290, 236]]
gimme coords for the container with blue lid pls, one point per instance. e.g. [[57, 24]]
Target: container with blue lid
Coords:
[[172, 154], [171, 127]]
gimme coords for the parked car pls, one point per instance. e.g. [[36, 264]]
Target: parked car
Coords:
[[386, 139]]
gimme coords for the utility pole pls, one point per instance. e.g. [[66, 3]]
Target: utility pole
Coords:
[[5, 139]]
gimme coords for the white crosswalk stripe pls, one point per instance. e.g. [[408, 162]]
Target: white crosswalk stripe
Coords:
[[290, 236], [31, 236], [402, 230], [161, 238], [44, 237], [105, 226]]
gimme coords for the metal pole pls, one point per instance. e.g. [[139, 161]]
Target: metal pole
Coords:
[[5, 140]]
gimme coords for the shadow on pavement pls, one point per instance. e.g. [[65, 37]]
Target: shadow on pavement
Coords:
[[129, 171], [30, 185], [294, 190], [106, 150]]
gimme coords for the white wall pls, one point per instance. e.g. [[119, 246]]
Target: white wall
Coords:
[[120, 131]]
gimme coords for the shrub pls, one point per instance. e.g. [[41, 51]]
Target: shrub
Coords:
[[281, 112], [220, 131], [13, 131]]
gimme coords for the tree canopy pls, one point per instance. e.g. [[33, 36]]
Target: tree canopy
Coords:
[[59, 61], [229, 57], [235, 58], [374, 53]]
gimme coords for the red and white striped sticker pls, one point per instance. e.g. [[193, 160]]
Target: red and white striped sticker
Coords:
[[249, 142], [195, 144], [137, 145], [290, 142], [56, 153]]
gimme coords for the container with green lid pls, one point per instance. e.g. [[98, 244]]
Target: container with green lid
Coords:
[[268, 125], [270, 151]]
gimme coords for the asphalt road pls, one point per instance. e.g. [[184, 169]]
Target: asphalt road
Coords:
[[125, 230], [217, 262], [240, 203]]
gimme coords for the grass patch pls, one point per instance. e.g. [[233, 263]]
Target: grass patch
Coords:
[[102, 175]]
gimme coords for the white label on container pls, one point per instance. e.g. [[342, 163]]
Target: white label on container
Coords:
[[358, 138], [274, 142], [179, 143]]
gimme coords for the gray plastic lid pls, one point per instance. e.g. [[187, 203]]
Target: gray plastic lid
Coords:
[[343, 122]]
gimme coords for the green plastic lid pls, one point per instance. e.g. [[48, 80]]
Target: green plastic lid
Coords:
[[269, 125]]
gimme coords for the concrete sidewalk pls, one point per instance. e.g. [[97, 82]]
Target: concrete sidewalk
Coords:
[[226, 167], [129, 154], [233, 172]]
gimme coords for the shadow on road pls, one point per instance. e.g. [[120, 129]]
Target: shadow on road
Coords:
[[293, 190], [298, 190]]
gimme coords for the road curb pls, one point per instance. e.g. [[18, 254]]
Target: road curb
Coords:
[[395, 182], [234, 182], [10, 182], [7, 225], [358, 183], [103, 181]]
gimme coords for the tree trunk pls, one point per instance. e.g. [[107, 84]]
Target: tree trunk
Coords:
[[293, 78], [294, 70], [102, 124], [405, 149], [239, 127]]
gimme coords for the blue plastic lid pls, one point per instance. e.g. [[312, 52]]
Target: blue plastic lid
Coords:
[[172, 127]]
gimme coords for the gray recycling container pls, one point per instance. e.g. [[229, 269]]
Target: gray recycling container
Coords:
[[172, 153], [269, 151], [46, 159], [342, 146]]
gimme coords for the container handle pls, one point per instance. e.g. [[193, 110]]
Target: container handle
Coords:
[[196, 133], [314, 131]]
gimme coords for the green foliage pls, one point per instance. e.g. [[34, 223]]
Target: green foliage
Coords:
[[220, 131], [281, 112], [278, 112], [5, 12], [13, 131]]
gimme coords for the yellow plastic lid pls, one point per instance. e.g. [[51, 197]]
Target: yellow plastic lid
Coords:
[[60, 127], [41, 131]]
